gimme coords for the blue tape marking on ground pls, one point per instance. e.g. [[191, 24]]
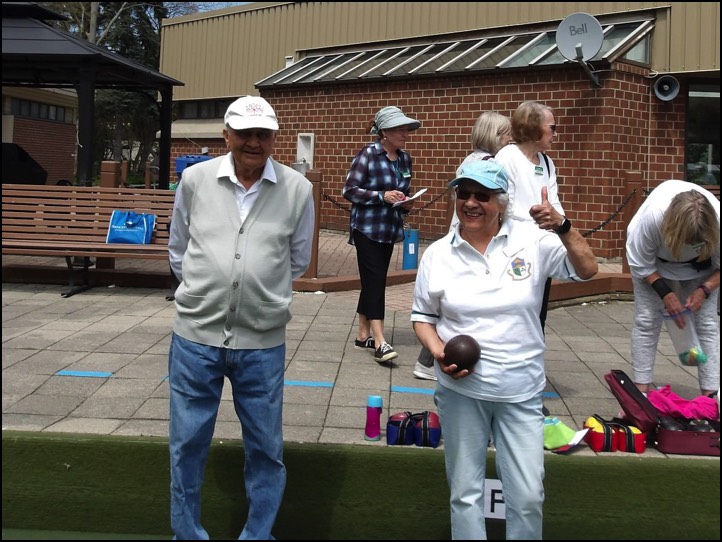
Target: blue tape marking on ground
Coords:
[[550, 395], [308, 384], [89, 374], [405, 389]]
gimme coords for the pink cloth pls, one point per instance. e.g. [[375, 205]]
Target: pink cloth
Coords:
[[669, 403]]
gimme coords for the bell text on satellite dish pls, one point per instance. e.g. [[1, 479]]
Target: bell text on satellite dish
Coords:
[[579, 37]]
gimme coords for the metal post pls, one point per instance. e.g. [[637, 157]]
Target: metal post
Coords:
[[316, 178], [633, 183]]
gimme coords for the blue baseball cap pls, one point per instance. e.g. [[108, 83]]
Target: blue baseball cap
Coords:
[[487, 173]]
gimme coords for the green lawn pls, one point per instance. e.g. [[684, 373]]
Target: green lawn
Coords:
[[98, 484]]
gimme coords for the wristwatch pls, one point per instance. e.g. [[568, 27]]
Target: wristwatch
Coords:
[[564, 228]]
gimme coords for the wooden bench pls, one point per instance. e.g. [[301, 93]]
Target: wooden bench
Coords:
[[72, 222]]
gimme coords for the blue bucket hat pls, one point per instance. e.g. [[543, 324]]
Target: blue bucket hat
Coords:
[[487, 173]]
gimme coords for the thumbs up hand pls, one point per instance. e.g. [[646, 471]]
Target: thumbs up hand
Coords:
[[544, 214]]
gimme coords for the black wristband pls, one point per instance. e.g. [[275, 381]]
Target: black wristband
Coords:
[[564, 228], [706, 290], [661, 287]]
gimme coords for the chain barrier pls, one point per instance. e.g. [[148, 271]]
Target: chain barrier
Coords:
[[437, 198], [611, 217], [335, 203], [415, 211]]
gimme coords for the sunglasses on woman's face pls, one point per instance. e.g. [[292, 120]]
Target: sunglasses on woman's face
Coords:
[[464, 194]]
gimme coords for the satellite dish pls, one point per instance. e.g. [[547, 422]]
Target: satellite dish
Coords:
[[579, 37]]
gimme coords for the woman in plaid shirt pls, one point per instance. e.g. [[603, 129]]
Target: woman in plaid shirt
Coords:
[[379, 178]]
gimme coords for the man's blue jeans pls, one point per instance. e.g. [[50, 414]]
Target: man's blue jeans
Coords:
[[196, 374]]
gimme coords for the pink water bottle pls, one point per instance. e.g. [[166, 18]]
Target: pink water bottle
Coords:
[[374, 406]]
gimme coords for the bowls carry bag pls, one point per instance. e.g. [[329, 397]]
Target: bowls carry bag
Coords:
[[400, 429], [421, 428], [427, 429]]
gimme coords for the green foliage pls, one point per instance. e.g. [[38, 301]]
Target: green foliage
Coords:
[[126, 121]]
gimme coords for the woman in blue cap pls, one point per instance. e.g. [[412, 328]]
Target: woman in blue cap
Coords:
[[377, 184], [485, 279]]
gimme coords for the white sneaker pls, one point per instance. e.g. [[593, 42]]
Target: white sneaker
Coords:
[[423, 372]]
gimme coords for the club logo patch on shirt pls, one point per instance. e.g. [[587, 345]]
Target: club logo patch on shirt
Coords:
[[520, 270]]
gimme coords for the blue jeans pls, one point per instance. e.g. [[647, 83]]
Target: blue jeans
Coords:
[[518, 433], [196, 374]]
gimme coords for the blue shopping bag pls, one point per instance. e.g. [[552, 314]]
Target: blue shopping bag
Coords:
[[130, 227]]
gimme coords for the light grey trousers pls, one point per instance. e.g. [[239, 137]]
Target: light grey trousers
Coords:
[[648, 322], [425, 358]]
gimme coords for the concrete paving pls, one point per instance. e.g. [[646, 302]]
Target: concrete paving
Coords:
[[97, 363]]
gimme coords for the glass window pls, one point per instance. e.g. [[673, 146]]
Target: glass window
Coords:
[[207, 110], [439, 55], [454, 52], [189, 110], [703, 135], [37, 110], [222, 107], [640, 52]]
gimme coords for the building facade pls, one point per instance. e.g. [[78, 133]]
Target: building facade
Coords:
[[31, 118], [644, 108]]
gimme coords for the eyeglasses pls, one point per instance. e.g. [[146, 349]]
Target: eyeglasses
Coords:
[[552, 126], [463, 194]]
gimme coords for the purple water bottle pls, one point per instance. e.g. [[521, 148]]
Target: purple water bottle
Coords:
[[374, 406]]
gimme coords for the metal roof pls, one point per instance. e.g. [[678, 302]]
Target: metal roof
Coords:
[[36, 54], [445, 56]]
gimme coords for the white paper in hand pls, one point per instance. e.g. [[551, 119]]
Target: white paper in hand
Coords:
[[418, 194]]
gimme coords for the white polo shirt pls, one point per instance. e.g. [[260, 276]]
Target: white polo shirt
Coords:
[[496, 298], [526, 181]]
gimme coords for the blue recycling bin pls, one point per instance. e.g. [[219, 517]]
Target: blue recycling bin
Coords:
[[183, 162], [411, 249]]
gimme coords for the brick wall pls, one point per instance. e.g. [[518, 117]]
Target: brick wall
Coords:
[[603, 134], [51, 144], [183, 147]]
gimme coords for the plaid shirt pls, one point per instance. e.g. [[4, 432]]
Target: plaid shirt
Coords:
[[370, 175]]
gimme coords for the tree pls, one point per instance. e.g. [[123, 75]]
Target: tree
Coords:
[[126, 121]]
